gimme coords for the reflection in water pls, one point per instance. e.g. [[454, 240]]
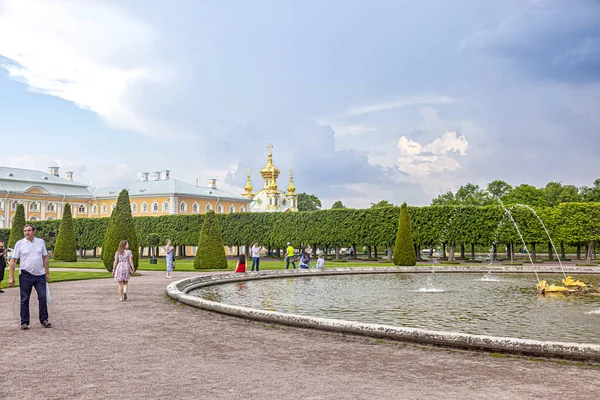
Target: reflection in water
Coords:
[[454, 302]]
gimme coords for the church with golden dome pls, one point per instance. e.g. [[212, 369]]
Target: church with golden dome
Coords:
[[270, 198]]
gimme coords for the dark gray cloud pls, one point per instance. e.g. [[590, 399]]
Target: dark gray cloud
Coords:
[[554, 39]]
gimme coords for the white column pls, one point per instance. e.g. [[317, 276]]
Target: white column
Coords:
[[173, 205], [75, 209], [59, 211], [26, 208], [43, 210]]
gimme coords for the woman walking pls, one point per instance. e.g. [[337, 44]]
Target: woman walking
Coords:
[[170, 255], [123, 268]]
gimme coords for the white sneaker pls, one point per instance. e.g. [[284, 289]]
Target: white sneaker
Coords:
[[169, 277]]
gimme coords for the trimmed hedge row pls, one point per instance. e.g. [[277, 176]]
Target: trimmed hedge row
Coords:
[[569, 223]]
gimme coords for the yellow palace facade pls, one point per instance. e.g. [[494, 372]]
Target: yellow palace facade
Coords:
[[45, 194]]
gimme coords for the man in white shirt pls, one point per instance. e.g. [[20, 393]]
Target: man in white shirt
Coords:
[[256, 255], [34, 273]]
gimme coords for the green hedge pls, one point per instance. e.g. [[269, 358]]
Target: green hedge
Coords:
[[569, 223], [404, 251]]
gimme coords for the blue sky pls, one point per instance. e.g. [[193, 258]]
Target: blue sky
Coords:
[[364, 100]]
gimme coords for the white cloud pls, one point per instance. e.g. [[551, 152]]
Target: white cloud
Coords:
[[424, 164], [400, 103], [87, 52]]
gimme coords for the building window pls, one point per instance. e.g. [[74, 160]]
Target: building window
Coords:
[[133, 208], [231, 209], [94, 209], [155, 207], [13, 206], [242, 209], [183, 207], [194, 249], [34, 218], [144, 207], [51, 207], [103, 208], [81, 209], [196, 208], [220, 209], [50, 218], [2, 205], [231, 250], [34, 207], [208, 207], [112, 207], [165, 206], [284, 202]]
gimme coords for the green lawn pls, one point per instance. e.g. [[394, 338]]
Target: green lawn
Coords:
[[61, 276], [188, 264]]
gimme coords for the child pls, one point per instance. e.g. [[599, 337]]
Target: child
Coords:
[[320, 262], [241, 264]]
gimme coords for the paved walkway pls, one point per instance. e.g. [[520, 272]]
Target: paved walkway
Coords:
[[150, 348]]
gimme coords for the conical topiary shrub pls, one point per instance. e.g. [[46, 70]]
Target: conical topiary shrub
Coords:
[[404, 251], [65, 248], [120, 227], [16, 232], [211, 250]]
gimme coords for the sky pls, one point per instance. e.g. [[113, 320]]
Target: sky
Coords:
[[365, 100]]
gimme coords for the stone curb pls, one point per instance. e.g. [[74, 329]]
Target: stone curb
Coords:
[[581, 351]]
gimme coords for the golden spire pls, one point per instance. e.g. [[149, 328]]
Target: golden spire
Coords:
[[291, 189], [269, 172], [248, 188]]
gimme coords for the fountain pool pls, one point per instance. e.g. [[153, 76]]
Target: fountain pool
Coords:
[[504, 305]]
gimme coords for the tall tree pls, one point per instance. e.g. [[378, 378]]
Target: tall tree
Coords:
[[382, 203], [120, 227], [446, 199], [308, 202], [556, 193], [499, 189], [591, 194], [338, 204], [472, 195], [65, 248], [211, 249], [16, 232], [404, 251], [526, 194]]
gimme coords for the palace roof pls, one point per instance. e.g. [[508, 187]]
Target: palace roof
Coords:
[[167, 187], [18, 180]]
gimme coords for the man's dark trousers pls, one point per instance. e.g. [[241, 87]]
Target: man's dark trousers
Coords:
[[27, 282]]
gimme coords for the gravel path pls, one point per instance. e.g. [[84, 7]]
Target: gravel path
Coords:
[[150, 348]]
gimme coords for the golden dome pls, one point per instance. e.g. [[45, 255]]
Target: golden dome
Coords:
[[270, 171], [291, 189]]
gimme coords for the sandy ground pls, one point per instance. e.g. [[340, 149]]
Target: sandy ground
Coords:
[[150, 348]]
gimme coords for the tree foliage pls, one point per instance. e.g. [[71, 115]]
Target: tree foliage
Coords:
[[16, 231], [382, 203], [211, 251], [404, 251], [337, 204], [65, 248], [120, 227], [308, 202]]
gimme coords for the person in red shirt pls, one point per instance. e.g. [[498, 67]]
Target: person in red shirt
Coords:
[[241, 264]]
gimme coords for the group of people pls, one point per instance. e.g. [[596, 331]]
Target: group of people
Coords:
[[290, 257], [34, 270]]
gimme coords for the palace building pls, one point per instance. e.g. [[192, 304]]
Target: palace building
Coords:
[[44, 195]]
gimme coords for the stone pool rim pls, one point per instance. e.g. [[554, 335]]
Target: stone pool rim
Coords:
[[578, 351]]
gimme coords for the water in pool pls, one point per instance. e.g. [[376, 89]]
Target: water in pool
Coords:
[[492, 304]]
